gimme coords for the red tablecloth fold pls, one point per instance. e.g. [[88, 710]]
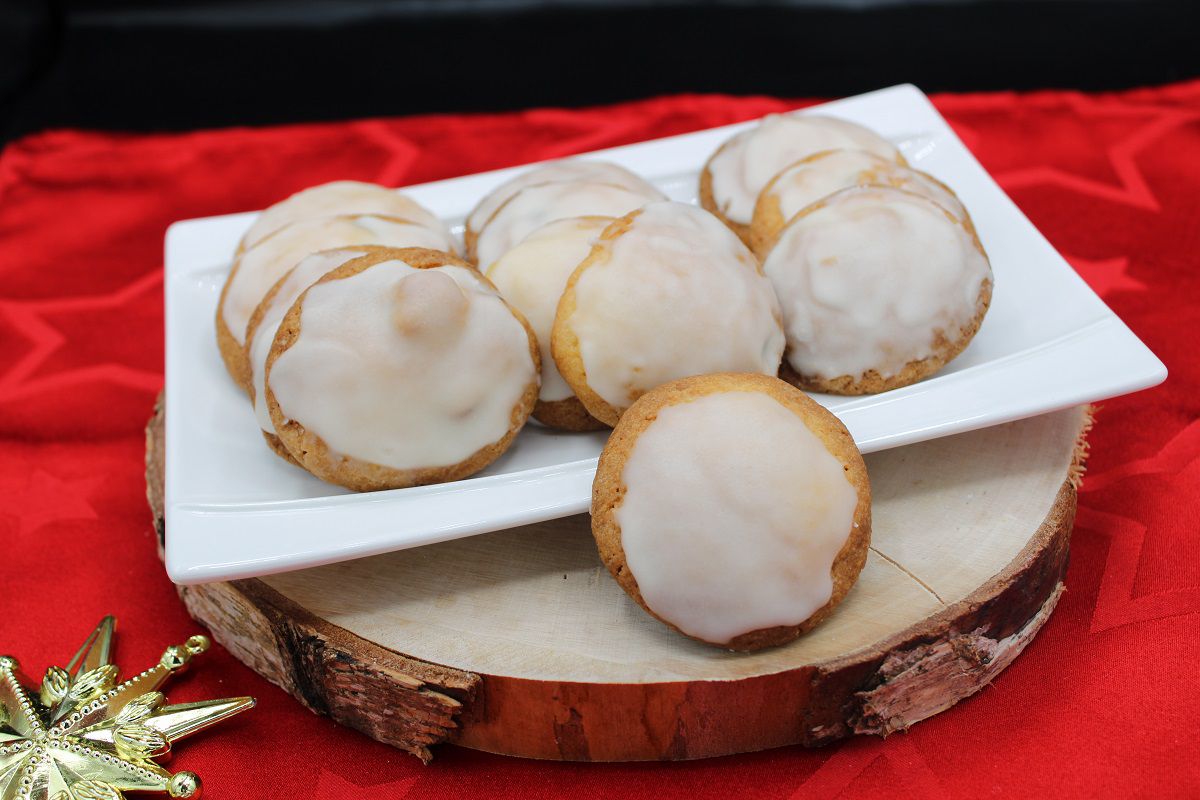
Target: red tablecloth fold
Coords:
[[1104, 702]]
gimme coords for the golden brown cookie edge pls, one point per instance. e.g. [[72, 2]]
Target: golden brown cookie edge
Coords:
[[608, 490], [946, 350], [708, 201], [564, 343], [260, 310], [312, 453], [566, 415]]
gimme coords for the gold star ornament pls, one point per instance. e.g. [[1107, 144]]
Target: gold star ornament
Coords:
[[84, 736]]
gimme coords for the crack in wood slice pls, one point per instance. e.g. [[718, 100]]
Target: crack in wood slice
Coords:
[[1016, 600], [925, 680], [909, 573], [901, 678]]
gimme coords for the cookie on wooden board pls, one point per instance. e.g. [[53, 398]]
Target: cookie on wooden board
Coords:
[[733, 508]]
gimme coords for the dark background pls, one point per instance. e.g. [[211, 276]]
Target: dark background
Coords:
[[180, 64]]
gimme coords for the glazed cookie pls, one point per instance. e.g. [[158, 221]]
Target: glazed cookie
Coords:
[[532, 277], [821, 174], [666, 292], [534, 206], [264, 322], [552, 172], [400, 368], [340, 198], [732, 508], [880, 287], [735, 174], [256, 270]]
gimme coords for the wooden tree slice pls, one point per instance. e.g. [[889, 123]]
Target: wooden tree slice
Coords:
[[519, 642]]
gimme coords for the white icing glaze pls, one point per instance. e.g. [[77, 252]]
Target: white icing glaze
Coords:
[[532, 277], [559, 172], [259, 267], [534, 206], [819, 176], [747, 163], [344, 197], [867, 277], [676, 294], [406, 368], [300, 277], [732, 516]]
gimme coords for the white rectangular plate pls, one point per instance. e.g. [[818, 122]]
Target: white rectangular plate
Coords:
[[234, 509]]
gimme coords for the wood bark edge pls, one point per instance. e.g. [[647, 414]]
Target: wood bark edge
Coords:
[[405, 702], [413, 704]]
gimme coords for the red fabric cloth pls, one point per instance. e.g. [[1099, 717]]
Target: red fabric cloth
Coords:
[[1103, 703]]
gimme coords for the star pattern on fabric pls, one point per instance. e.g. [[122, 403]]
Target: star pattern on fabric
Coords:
[[1116, 602], [1176, 468], [1106, 275], [1130, 187], [332, 786], [1178, 455], [839, 773], [90, 324], [1100, 162], [46, 498]]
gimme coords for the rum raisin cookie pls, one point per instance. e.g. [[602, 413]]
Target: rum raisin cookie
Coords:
[[820, 175], [339, 198], [264, 322], [733, 508], [255, 270], [566, 171], [666, 292], [532, 276], [880, 288], [400, 369], [735, 174], [534, 206]]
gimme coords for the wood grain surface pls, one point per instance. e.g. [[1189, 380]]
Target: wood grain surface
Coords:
[[519, 642]]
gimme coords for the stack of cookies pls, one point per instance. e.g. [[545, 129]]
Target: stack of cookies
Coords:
[[624, 289], [877, 267], [374, 356]]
